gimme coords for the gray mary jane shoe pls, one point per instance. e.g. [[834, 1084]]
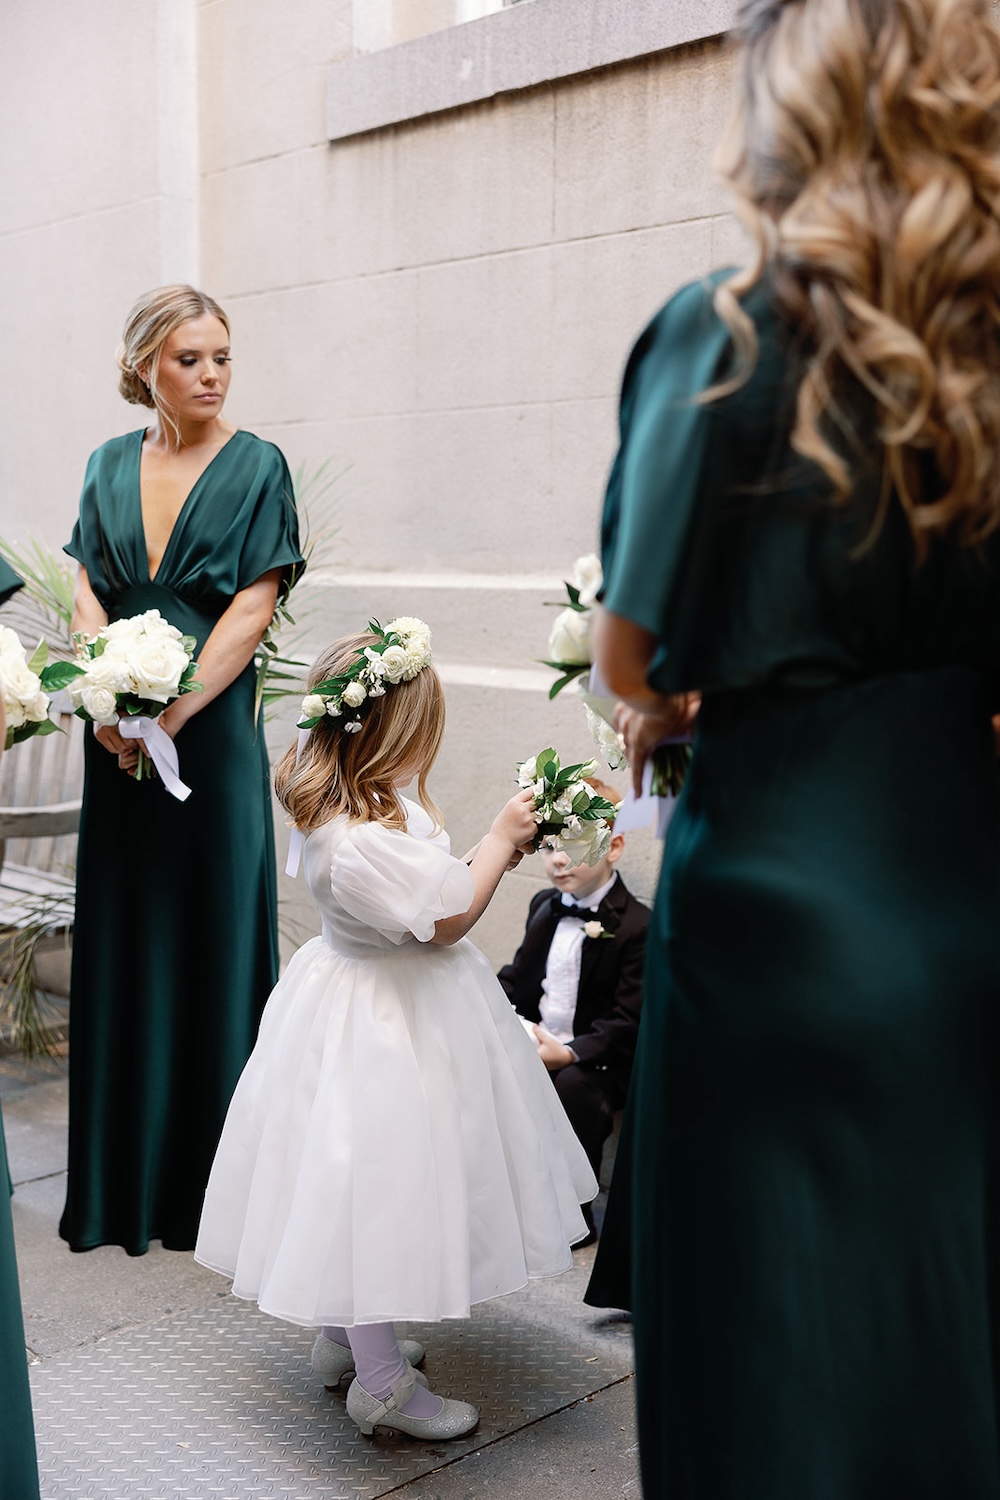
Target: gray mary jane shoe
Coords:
[[453, 1420], [332, 1361]]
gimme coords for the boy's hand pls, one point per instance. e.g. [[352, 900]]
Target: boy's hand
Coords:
[[554, 1054]]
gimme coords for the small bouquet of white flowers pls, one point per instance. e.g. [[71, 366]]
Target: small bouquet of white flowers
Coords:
[[126, 675], [24, 682], [570, 656], [570, 815]]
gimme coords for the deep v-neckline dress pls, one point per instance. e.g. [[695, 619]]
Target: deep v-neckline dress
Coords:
[[175, 945]]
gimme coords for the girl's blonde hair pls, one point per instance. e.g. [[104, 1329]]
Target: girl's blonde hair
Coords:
[[356, 774], [865, 156], [150, 322]]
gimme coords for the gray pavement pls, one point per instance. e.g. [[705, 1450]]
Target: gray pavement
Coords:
[[149, 1379]]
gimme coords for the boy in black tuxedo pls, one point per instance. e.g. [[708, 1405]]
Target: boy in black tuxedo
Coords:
[[577, 979]]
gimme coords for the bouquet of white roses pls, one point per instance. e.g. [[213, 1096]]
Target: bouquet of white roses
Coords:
[[24, 682], [126, 675], [570, 815], [569, 650]]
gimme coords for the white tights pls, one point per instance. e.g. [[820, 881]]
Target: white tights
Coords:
[[379, 1365]]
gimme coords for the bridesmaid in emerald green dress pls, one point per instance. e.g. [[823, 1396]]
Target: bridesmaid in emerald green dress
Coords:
[[18, 1464], [803, 1217], [175, 943]]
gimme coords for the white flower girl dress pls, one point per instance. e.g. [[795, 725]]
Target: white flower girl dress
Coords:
[[394, 1149]]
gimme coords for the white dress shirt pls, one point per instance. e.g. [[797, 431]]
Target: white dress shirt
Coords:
[[557, 1005]]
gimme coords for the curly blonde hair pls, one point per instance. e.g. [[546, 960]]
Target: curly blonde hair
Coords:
[[357, 774], [865, 158]]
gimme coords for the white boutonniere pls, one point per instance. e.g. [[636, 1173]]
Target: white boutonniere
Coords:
[[595, 930]]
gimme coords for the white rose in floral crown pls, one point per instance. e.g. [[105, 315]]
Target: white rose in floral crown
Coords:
[[587, 578], [354, 694], [395, 662], [313, 706], [569, 639]]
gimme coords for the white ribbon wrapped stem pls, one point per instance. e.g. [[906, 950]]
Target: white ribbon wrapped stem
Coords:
[[296, 838], [161, 750]]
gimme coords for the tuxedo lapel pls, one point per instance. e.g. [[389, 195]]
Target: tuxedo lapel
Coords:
[[609, 915]]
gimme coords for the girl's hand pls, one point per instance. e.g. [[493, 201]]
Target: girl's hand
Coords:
[[515, 822]]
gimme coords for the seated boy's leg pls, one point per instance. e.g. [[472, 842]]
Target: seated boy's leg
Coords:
[[588, 1108]]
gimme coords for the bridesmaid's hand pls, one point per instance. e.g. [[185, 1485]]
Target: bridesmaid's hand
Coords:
[[641, 732], [108, 736]]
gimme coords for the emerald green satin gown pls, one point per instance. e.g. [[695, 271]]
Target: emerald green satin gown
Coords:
[[175, 943], [803, 1213], [18, 1465]]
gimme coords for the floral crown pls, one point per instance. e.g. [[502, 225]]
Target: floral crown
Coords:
[[399, 652]]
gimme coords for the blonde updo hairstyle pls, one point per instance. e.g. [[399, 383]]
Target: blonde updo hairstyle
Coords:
[[865, 158], [150, 323], [338, 772]]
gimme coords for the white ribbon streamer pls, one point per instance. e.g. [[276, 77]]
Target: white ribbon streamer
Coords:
[[161, 749], [296, 838]]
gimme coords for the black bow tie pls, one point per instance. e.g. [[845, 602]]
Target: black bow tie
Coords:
[[561, 909]]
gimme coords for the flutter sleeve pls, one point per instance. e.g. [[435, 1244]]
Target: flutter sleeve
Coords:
[[272, 535], [397, 884], [657, 520]]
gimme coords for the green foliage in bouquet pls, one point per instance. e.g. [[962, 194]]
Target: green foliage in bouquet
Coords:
[[570, 815]]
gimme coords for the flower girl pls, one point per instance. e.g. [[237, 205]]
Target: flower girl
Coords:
[[394, 1148]]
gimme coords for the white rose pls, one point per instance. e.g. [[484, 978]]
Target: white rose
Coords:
[[569, 639], [587, 578], [157, 666], [120, 632], [19, 680], [99, 704], [354, 694], [592, 929], [589, 845], [606, 740], [36, 709], [10, 644], [395, 663], [109, 670], [313, 706]]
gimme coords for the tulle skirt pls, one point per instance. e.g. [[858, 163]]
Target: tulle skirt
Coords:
[[394, 1148]]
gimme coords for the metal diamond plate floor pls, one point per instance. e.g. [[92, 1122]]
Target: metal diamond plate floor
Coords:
[[150, 1380], [221, 1401]]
